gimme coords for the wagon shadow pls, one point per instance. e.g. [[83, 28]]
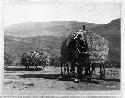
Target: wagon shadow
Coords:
[[56, 77], [46, 76], [90, 81], [108, 79], [22, 69]]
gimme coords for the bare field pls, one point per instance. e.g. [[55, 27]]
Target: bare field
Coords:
[[50, 80]]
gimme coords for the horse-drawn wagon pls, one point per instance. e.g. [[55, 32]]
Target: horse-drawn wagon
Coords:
[[83, 50]]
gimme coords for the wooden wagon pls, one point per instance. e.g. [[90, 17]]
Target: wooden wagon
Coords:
[[97, 50]]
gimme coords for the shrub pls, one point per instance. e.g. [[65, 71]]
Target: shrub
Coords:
[[8, 60], [35, 59]]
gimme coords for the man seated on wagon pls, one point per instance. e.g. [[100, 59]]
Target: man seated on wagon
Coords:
[[84, 27]]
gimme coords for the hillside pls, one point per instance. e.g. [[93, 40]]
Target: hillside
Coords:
[[17, 46], [48, 36], [54, 28]]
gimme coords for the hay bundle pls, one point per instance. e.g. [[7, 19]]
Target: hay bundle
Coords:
[[98, 46]]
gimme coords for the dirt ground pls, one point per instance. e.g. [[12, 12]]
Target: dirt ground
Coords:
[[50, 80]]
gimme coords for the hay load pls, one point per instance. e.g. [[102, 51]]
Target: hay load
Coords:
[[98, 46]]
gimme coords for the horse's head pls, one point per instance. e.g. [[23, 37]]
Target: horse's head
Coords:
[[81, 35], [81, 39]]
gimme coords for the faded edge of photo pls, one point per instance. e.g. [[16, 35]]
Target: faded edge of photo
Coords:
[[1, 47], [58, 93]]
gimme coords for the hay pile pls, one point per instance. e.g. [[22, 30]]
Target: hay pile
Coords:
[[98, 46]]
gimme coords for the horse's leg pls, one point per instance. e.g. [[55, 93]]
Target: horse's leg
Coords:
[[87, 70], [100, 70], [67, 68], [27, 66], [103, 66], [86, 61], [36, 66], [93, 68], [73, 66], [79, 68], [61, 68]]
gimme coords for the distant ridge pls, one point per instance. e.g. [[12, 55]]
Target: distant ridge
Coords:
[[53, 28], [113, 25]]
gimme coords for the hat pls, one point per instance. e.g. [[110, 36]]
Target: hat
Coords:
[[84, 27]]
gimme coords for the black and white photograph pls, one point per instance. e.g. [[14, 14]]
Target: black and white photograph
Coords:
[[61, 46]]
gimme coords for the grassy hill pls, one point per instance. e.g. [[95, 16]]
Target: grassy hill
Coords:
[[48, 36], [16, 47]]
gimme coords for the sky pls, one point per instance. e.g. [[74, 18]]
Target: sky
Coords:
[[42, 12]]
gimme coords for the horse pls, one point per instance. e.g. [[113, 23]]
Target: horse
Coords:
[[71, 54], [64, 59], [83, 55]]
